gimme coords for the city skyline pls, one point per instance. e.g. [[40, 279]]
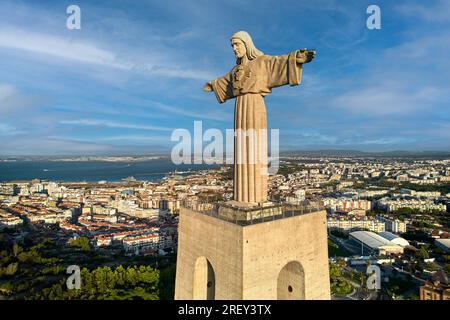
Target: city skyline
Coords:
[[391, 212], [133, 73]]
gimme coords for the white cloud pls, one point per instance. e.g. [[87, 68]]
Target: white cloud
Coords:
[[211, 115], [8, 130], [388, 141], [14, 102], [430, 49], [437, 12], [91, 53], [63, 146], [308, 138], [387, 100], [57, 46], [113, 124], [168, 70], [136, 138]]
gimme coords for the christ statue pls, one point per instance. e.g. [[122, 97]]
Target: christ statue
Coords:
[[253, 77]]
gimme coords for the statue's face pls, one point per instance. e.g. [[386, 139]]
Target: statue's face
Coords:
[[238, 48]]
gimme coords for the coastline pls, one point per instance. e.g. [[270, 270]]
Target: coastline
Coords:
[[153, 170]]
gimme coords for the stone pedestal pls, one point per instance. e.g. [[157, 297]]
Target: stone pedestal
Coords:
[[240, 212], [279, 256]]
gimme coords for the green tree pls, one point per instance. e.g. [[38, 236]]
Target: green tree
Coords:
[[119, 274], [11, 269], [131, 276], [335, 271], [82, 243], [4, 257], [447, 268], [167, 283], [422, 254], [430, 266], [16, 249]]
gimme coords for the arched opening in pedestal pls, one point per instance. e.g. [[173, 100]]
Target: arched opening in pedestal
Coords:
[[204, 287], [291, 282]]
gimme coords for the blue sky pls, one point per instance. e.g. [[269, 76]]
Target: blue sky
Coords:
[[135, 70]]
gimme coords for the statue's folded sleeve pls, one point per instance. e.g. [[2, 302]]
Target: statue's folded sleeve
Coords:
[[222, 88], [284, 70]]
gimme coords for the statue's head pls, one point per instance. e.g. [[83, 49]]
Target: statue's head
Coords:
[[242, 45]]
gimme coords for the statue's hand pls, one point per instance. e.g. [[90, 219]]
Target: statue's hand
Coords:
[[301, 56], [310, 55], [207, 87], [305, 56]]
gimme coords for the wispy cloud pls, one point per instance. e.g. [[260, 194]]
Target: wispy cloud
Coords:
[[211, 115], [8, 130], [388, 141], [432, 11], [308, 138], [62, 146], [113, 124], [387, 100], [136, 138], [60, 47], [89, 52], [14, 102]]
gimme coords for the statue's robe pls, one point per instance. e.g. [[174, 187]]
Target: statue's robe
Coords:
[[249, 84]]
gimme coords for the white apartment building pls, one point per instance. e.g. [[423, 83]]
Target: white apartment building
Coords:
[[348, 224]]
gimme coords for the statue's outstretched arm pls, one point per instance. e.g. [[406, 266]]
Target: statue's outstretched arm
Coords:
[[221, 87], [208, 87]]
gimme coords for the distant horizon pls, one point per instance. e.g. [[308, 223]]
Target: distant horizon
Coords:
[[283, 152]]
